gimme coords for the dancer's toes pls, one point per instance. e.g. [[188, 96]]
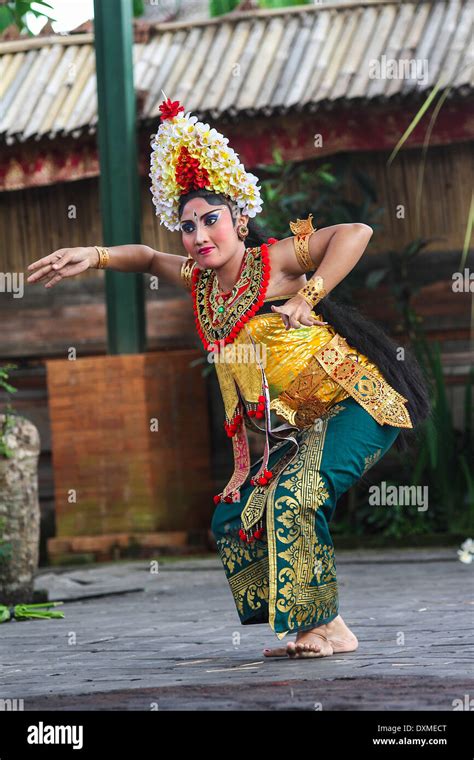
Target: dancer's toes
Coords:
[[306, 646]]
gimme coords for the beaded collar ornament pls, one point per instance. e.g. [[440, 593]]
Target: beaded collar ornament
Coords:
[[218, 319]]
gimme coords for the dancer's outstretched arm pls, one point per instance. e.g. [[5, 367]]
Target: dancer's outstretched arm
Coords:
[[68, 262]]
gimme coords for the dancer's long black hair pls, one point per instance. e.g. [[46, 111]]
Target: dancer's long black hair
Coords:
[[360, 332]]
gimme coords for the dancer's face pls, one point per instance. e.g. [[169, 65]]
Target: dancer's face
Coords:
[[206, 226]]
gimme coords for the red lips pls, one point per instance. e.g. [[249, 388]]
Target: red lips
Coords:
[[205, 250]]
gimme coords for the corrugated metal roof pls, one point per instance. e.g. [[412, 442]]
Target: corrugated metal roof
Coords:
[[257, 62]]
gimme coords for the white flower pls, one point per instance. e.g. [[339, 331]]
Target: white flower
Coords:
[[468, 545], [465, 556]]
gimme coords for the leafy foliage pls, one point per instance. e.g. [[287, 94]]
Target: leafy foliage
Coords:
[[15, 12]]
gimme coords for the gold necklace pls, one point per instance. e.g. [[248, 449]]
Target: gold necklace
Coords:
[[221, 301]]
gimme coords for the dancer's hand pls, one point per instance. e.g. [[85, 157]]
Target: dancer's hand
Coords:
[[297, 312], [65, 262]]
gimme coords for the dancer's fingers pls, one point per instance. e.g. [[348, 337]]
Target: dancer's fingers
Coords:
[[68, 271]]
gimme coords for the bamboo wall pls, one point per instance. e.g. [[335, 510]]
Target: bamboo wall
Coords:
[[37, 221]]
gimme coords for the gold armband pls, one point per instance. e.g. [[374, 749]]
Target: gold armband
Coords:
[[302, 230], [103, 256], [187, 268], [313, 292]]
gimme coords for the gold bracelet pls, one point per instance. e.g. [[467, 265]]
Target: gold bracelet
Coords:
[[313, 292], [104, 256], [302, 230], [187, 271]]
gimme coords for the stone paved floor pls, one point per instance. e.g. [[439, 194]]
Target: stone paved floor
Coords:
[[137, 640]]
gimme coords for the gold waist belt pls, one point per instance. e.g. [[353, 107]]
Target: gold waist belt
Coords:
[[299, 403]]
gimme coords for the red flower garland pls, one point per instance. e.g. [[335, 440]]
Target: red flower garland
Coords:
[[210, 346], [169, 109], [190, 175]]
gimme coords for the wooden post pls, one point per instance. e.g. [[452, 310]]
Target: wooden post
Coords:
[[119, 181]]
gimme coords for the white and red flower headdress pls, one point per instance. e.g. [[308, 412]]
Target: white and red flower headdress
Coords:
[[188, 155]]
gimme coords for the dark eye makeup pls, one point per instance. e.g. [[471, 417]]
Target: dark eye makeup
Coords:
[[213, 217]]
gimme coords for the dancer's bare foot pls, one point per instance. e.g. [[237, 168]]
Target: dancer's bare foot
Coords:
[[332, 637], [323, 641], [341, 637], [310, 644]]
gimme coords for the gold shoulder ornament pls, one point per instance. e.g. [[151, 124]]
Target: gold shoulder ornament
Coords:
[[187, 268], [302, 230]]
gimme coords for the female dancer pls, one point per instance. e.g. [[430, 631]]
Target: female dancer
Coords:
[[340, 389]]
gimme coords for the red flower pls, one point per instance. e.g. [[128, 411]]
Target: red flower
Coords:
[[169, 109], [190, 175]]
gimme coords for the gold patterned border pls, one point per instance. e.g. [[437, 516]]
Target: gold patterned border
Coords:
[[291, 591]]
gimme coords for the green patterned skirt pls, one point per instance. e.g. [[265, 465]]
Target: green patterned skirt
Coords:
[[287, 578]]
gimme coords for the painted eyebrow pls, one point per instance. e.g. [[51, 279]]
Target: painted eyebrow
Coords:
[[202, 217]]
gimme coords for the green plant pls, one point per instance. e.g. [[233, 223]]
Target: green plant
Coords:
[[442, 454], [9, 415], [16, 11], [220, 7], [398, 274], [5, 546], [321, 191], [389, 521]]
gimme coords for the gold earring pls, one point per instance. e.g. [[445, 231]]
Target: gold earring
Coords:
[[243, 231]]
